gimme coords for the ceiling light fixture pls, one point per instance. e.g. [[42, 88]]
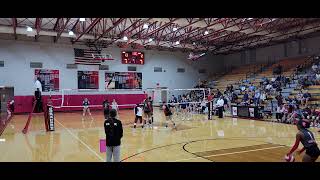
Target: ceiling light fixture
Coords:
[[249, 18], [150, 39], [29, 29], [174, 29], [145, 26], [71, 33], [206, 32], [125, 38], [82, 19], [177, 42]]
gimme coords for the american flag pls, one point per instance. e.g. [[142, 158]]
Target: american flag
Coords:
[[86, 57]]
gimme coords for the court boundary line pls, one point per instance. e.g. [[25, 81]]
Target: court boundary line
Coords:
[[85, 144], [224, 154]]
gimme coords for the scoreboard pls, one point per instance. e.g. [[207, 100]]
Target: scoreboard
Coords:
[[132, 57]]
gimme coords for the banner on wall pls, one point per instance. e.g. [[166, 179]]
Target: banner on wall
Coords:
[[88, 80], [251, 112], [123, 80], [48, 78]]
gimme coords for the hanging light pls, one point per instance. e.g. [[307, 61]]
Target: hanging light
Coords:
[[177, 42], [125, 38], [206, 33], [29, 29], [71, 33]]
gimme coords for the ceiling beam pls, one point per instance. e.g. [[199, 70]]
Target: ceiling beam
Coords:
[[14, 24], [114, 24], [38, 27], [61, 29], [88, 29]]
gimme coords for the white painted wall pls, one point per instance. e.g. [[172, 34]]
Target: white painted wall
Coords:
[[17, 56]]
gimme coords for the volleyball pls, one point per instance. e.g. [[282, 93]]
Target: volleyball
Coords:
[[289, 158]]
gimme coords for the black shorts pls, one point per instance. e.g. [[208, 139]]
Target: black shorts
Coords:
[[313, 151], [138, 117]]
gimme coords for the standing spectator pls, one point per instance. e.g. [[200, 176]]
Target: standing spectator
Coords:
[[114, 133], [279, 99], [279, 113], [317, 81], [220, 104], [263, 96], [38, 85], [38, 98], [106, 108], [306, 97], [115, 106], [257, 98]]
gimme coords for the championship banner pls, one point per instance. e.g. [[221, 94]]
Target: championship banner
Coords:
[[49, 79], [123, 80], [88, 80], [251, 112], [234, 111], [50, 118]]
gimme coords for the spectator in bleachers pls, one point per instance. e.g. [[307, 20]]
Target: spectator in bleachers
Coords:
[[279, 99], [252, 87], [245, 97], [306, 112], [279, 113], [314, 67], [306, 97], [317, 78], [256, 98], [263, 96]]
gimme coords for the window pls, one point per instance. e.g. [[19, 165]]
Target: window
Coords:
[[157, 69], [132, 68], [103, 67], [35, 65], [202, 71], [1, 63], [181, 70], [72, 66]]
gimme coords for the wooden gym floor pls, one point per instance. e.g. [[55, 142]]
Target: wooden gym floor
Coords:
[[195, 140]]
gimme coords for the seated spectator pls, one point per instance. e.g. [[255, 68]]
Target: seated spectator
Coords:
[[242, 88], [256, 99], [268, 87], [252, 87]]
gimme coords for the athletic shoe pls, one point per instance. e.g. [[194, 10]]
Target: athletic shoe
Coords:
[[134, 126], [166, 126]]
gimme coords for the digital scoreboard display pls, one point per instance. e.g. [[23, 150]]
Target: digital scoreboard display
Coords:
[[132, 57]]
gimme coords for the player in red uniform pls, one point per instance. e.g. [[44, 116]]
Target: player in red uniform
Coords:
[[148, 111], [308, 141], [168, 113]]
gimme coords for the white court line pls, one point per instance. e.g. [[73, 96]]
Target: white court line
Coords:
[[238, 152], [88, 147], [2, 140]]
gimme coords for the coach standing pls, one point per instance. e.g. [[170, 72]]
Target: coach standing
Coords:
[[114, 133], [220, 104]]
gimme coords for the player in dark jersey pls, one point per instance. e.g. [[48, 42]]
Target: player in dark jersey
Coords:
[[168, 113], [106, 109], [308, 141], [148, 111], [85, 105], [183, 107]]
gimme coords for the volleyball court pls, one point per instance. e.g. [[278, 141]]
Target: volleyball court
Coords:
[[185, 104]]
